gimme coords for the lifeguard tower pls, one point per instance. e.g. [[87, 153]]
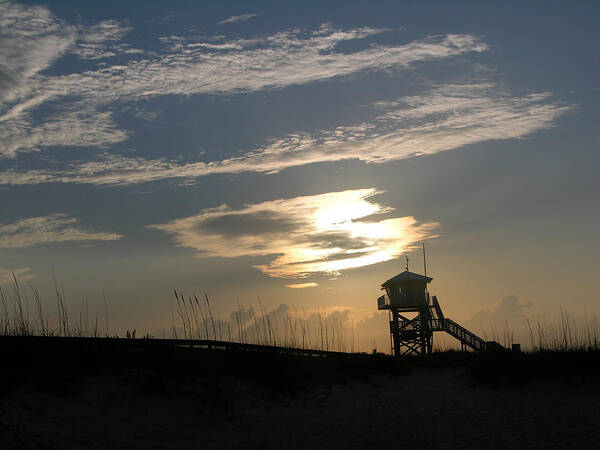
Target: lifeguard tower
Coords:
[[415, 316]]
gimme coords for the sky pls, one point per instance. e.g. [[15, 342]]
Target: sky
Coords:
[[294, 154]]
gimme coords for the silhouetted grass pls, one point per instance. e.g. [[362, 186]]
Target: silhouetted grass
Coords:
[[563, 348], [317, 331], [23, 312]]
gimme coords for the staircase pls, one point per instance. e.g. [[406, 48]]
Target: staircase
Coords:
[[466, 337]]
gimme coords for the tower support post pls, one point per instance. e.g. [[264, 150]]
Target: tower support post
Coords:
[[411, 335]]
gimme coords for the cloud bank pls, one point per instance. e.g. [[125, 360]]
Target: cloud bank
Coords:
[[510, 310], [323, 233], [48, 229]]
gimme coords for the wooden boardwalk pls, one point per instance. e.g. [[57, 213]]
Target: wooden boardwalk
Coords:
[[152, 344]]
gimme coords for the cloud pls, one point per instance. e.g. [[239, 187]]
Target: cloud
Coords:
[[48, 229], [312, 234], [100, 40], [240, 18], [509, 310], [31, 39], [79, 107], [106, 31], [22, 274], [444, 118], [83, 127], [250, 223], [83, 100], [301, 285], [508, 322], [246, 65]]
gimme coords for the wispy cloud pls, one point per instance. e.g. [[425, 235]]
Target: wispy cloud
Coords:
[[322, 233], [83, 127], [48, 229], [240, 18], [301, 285], [31, 39], [445, 118], [101, 40], [80, 107], [83, 101]]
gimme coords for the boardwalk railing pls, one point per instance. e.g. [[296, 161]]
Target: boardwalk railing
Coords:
[[140, 344]]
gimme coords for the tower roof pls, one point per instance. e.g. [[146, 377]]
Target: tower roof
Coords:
[[406, 277]]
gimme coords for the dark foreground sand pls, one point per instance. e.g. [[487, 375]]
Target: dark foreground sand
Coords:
[[429, 408]]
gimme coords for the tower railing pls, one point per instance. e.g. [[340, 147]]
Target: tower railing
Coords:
[[383, 302]]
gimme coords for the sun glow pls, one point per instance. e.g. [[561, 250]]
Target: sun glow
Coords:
[[336, 214], [325, 233]]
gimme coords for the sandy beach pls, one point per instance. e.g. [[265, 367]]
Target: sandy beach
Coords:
[[429, 408]]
